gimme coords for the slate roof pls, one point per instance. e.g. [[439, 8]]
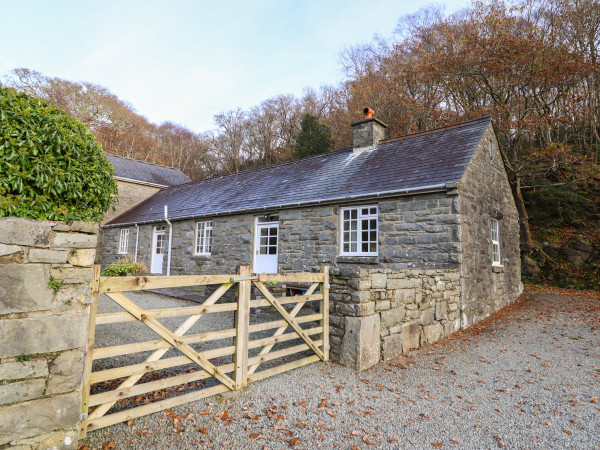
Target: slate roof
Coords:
[[417, 162], [147, 172]]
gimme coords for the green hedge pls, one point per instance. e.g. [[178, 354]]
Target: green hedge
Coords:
[[51, 167]]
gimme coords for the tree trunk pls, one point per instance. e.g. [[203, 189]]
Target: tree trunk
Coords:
[[526, 240]]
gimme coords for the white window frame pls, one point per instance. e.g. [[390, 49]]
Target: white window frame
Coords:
[[203, 243], [124, 241], [359, 217], [495, 229]]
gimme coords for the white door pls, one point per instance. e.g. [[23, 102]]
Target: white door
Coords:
[[265, 247], [158, 249]]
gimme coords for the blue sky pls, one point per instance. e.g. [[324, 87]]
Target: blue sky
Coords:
[[186, 61]]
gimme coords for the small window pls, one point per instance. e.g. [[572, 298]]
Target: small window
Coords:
[[359, 231], [203, 238], [495, 242], [124, 241]]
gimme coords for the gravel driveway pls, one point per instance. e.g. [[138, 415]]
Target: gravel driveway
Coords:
[[527, 377]]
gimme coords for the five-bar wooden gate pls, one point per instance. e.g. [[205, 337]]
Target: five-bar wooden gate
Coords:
[[311, 329]]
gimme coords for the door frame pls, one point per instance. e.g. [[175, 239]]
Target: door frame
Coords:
[[256, 243], [155, 233]]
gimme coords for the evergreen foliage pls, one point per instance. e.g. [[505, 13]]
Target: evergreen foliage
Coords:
[[313, 139], [51, 166]]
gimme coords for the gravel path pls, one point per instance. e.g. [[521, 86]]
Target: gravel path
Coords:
[[527, 377]]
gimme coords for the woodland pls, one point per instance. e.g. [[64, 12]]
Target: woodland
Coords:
[[531, 65]]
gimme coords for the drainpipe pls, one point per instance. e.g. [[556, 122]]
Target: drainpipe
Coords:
[[170, 239], [137, 239]]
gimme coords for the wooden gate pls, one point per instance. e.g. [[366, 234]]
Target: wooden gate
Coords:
[[247, 354]]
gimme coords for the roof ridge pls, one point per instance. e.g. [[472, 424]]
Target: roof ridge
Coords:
[[143, 162], [434, 130]]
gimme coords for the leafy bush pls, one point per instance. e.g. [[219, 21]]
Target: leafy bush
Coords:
[[51, 167], [123, 266]]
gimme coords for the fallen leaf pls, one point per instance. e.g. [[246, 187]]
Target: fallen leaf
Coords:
[[109, 445], [355, 433], [203, 430], [567, 431], [437, 444]]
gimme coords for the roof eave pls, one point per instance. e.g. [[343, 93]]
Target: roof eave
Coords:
[[442, 187]]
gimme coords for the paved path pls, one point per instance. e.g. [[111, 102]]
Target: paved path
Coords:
[[527, 377]]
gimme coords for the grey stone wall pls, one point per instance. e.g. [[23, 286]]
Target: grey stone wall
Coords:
[[414, 231], [46, 273], [381, 313], [484, 193], [130, 194]]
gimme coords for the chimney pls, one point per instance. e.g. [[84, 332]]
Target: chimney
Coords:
[[367, 132]]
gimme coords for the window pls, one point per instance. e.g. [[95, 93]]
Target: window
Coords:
[[160, 244], [124, 241], [203, 238], [359, 231], [495, 242]]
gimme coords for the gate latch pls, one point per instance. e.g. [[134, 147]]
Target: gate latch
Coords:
[[83, 416]]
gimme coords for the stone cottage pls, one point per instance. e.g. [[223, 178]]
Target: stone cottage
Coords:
[[421, 233], [138, 180]]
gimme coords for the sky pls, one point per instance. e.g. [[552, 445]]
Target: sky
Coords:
[[185, 61]]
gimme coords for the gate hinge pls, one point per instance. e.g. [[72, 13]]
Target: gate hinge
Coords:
[[83, 416], [328, 348], [91, 300], [327, 286]]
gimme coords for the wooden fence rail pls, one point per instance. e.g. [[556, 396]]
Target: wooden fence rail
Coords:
[[311, 330]]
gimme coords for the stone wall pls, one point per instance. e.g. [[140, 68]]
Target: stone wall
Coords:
[[484, 194], [414, 231], [381, 313], [130, 194], [46, 272]]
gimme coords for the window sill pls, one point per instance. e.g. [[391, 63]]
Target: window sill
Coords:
[[201, 257], [357, 259], [497, 268]]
